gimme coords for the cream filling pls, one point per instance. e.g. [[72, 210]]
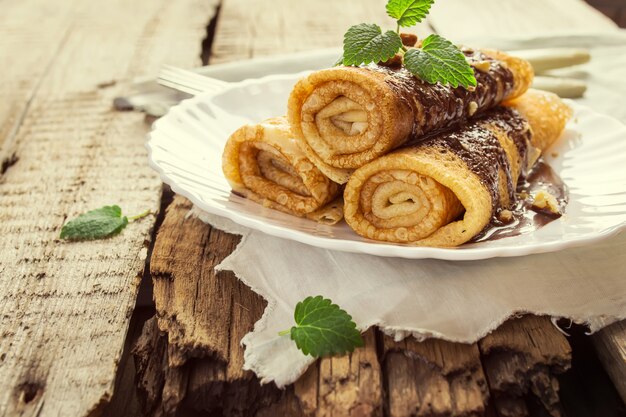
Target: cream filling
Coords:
[[346, 115], [352, 121], [339, 123], [278, 170]]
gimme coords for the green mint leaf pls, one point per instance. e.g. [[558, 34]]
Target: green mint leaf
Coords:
[[408, 12], [367, 43], [440, 61], [323, 329], [95, 224]]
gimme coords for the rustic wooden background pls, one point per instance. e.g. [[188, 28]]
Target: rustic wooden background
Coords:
[[614, 9], [80, 331]]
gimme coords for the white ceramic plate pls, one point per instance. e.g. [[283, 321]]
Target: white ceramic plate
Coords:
[[185, 147]]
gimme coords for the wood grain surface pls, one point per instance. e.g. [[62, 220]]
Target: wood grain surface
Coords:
[[460, 19], [521, 361], [610, 344], [433, 378], [247, 29], [349, 385], [614, 9], [65, 307]]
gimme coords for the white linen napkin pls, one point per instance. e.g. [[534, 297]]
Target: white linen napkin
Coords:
[[457, 301]]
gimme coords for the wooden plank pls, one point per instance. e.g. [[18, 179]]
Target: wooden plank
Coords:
[[521, 360], [28, 51], [65, 306], [458, 19], [199, 385], [610, 343], [192, 351], [203, 313], [194, 307], [433, 378], [248, 29], [349, 385]]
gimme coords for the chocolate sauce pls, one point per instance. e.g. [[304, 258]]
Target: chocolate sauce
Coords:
[[517, 129], [478, 146], [437, 106], [527, 218]]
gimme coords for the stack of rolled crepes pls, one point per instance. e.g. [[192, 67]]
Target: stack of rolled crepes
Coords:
[[425, 164]]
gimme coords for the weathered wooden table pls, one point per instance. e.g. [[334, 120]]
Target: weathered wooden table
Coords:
[[79, 332]]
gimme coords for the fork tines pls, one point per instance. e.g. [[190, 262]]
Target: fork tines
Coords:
[[188, 81]]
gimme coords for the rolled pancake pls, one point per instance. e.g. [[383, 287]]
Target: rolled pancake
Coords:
[[446, 189], [345, 117], [262, 162]]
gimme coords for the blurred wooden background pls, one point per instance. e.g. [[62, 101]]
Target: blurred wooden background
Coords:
[[615, 9]]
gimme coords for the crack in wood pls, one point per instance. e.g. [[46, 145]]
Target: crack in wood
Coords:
[[144, 298], [8, 143], [8, 162], [27, 391], [207, 42]]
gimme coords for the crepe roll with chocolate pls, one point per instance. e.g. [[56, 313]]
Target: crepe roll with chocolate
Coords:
[[449, 187], [345, 117], [262, 162]]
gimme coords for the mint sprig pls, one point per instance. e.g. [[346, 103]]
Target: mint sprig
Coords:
[[367, 43], [439, 60], [408, 12], [98, 224], [323, 328]]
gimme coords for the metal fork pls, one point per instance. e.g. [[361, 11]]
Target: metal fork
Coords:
[[188, 81]]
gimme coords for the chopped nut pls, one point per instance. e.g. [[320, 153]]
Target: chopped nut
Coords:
[[394, 61], [482, 66], [408, 39], [472, 107], [505, 216], [532, 155], [545, 201], [471, 88]]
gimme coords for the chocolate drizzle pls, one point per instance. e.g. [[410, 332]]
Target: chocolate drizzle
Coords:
[[478, 146], [525, 218], [438, 106], [517, 129]]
